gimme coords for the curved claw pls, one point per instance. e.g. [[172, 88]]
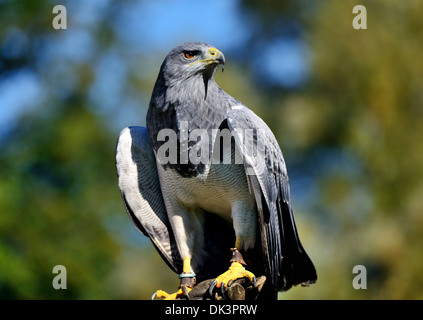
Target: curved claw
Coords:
[[222, 292], [185, 290], [154, 295], [213, 284], [159, 294]]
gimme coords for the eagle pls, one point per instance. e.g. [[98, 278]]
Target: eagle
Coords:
[[206, 181]]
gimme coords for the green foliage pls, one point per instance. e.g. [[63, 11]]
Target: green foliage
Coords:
[[52, 180], [365, 99]]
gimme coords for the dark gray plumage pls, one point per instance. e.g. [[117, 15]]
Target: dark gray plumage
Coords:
[[190, 210]]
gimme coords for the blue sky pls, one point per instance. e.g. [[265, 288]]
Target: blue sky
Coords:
[[141, 27], [165, 24]]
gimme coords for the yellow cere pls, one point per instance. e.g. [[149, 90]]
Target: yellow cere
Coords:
[[213, 54]]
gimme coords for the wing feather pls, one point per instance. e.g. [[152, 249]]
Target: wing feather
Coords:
[[140, 187], [287, 262]]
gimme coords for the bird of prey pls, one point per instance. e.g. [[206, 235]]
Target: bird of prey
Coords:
[[206, 204]]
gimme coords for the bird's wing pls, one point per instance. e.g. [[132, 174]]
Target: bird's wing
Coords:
[[140, 187], [287, 261]]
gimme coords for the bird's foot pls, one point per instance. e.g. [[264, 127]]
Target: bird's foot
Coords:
[[187, 283], [183, 292], [236, 271]]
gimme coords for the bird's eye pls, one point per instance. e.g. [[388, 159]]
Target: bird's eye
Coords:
[[189, 55]]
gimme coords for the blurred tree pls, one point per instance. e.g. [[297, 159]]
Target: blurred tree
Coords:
[[55, 194], [355, 130], [57, 178]]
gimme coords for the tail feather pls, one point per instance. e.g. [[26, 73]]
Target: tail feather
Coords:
[[297, 267]]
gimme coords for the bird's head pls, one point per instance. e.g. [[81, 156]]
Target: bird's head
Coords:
[[192, 59]]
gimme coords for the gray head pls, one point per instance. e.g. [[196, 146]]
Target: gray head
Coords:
[[191, 59], [185, 93]]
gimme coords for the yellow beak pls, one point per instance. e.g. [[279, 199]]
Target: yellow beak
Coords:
[[212, 56]]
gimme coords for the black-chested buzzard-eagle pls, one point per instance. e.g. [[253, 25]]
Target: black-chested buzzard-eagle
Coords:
[[206, 181]]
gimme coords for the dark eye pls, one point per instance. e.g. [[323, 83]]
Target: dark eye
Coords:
[[190, 54]]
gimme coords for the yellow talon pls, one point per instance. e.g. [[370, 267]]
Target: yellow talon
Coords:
[[160, 294], [236, 271], [173, 296], [184, 288]]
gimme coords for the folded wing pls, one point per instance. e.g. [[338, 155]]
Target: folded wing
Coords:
[[287, 262], [140, 187]]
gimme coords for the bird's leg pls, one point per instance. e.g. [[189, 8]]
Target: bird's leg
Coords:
[[187, 277], [187, 283], [236, 270]]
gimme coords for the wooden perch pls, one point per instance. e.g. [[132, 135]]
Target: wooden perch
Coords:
[[241, 289]]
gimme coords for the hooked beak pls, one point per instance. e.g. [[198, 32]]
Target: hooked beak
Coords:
[[213, 56], [217, 56]]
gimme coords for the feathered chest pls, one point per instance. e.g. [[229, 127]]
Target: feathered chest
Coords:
[[183, 135]]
